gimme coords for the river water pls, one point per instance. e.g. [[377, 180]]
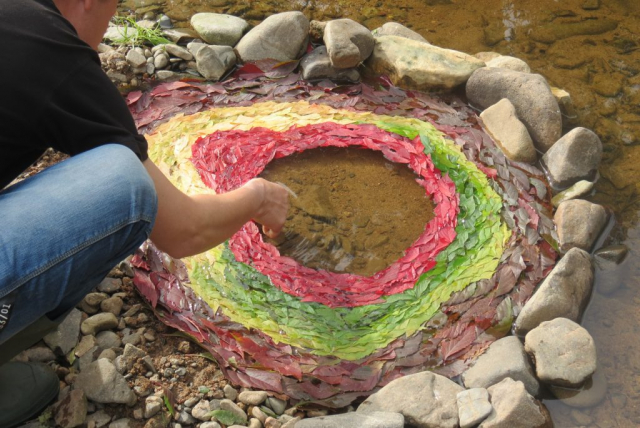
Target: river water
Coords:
[[591, 48]]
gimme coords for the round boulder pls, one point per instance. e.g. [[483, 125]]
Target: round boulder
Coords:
[[348, 43], [219, 29], [574, 157], [563, 351], [510, 63], [579, 224], [425, 399], [282, 37], [529, 93]]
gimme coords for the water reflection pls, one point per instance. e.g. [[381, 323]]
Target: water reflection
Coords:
[[589, 48]]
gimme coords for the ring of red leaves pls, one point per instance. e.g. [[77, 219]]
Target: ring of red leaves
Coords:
[[228, 159]]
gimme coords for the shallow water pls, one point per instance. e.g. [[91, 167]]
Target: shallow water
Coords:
[[352, 210], [589, 48]]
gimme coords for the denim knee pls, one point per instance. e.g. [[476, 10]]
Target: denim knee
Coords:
[[124, 180]]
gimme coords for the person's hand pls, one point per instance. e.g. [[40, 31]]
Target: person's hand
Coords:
[[274, 204]]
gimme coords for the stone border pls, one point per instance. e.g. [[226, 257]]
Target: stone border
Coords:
[[524, 116]]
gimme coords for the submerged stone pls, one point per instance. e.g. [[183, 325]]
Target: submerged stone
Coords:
[[549, 33]]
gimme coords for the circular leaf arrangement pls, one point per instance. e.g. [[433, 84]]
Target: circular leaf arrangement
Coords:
[[325, 337]]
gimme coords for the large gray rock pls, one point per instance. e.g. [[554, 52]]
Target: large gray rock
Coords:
[[564, 293], [579, 223], [219, 29], [425, 399], [502, 123], [98, 323], [355, 420], [65, 336], [510, 63], [505, 358], [348, 43], [564, 353], [395, 29], [589, 395], [213, 62], [576, 156], [513, 407], [102, 383], [530, 95], [418, 65], [473, 407], [282, 36], [316, 66]]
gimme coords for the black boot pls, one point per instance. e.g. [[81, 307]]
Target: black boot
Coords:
[[25, 390]]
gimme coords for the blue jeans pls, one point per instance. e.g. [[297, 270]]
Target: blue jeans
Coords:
[[63, 230]]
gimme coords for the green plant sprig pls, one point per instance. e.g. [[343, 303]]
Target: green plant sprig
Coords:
[[136, 35]]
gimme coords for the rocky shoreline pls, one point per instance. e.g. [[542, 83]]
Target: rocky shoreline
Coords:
[[119, 374]]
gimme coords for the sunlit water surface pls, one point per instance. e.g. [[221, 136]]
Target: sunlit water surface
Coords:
[[589, 48]]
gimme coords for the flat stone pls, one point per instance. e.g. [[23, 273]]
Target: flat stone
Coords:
[[86, 344], [180, 34], [425, 399], [510, 63], [122, 423], [552, 32], [502, 123], [564, 293], [99, 418], [94, 299], [153, 405], [230, 392], [316, 65], [529, 93], [576, 156], [581, 188], [108, 340], [232, 407], [505, 358], [513, 407], [563, 351], [129, 357], [111, 285], [219, 29], [252, 398], [473, 407], [214, 61], [396, 29], [65, 336], [178, 52], [112, 304], [210, 425], [421, 66], [202, 410], [589, 395], [579, 223], [71, 412], [102, 383], [98, 323], [355, 420], [348, 43], [568, 110], [282, 37]]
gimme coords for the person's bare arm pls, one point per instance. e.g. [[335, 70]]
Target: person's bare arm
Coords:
[[188, 225]]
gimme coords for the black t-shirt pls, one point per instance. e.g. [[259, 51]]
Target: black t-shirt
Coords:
[[53, 92]]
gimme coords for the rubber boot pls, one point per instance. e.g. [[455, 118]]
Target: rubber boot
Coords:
[[25, 390]]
